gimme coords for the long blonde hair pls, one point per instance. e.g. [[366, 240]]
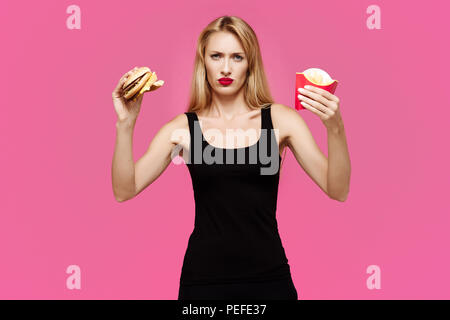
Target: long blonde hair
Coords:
[[256, 89]]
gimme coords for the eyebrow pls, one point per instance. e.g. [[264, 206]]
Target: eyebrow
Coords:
[[232, 53]]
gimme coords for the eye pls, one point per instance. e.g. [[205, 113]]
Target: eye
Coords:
[[216, 54]]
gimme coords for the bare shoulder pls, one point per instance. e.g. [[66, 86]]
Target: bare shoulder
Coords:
[[281, 112], [178, 127], [284, 118], [178, 121]]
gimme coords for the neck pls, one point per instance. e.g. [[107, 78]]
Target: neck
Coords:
[[228, 107]]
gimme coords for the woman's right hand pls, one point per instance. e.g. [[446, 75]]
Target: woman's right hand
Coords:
[[127, 110]]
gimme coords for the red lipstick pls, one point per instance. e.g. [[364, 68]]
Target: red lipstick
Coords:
[[225, 81]]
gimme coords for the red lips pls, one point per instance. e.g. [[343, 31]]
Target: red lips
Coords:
[[225, 81]]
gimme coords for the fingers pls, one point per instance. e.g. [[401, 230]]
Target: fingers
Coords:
[[323, 92], [118, 88]]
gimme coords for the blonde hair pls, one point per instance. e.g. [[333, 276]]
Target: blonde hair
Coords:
[[256, 88]]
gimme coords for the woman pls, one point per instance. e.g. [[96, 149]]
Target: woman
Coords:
[[235, 250]]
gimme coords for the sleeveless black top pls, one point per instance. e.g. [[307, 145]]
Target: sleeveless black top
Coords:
[[235, 237]]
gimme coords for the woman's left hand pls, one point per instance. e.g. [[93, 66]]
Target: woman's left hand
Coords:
[[322, 103]]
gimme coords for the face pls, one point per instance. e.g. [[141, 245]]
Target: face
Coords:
[[225, 58]]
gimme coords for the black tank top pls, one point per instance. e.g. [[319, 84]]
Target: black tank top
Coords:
[[235, 237]]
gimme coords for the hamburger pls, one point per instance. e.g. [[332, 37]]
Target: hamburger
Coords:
[[139, 82]]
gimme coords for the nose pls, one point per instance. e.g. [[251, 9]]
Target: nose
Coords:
[[226, 68]]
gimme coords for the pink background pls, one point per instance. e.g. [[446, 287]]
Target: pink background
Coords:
[[57, 139]]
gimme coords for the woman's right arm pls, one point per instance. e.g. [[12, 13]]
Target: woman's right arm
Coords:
[[122, 171], [129, 178]]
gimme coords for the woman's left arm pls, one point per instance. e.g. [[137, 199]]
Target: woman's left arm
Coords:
[[326, 106]]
